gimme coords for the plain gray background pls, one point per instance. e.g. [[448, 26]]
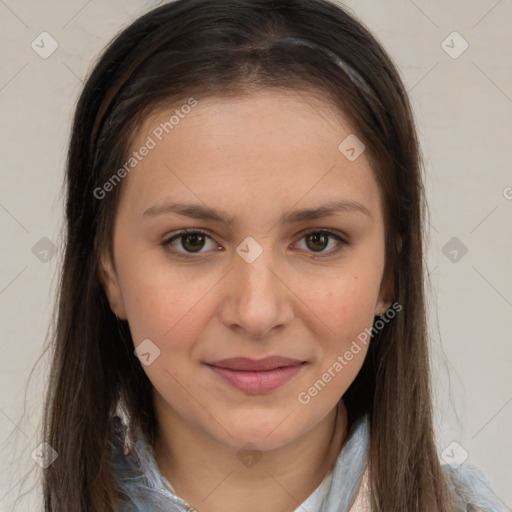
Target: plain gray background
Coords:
[[463, 104]]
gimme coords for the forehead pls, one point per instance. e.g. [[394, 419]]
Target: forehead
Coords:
[[268, 147], [278, 117]]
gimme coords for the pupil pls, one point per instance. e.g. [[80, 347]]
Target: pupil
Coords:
[[196, 239], [318, 238]]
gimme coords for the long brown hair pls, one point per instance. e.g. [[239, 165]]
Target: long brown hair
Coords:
[[195, 48]]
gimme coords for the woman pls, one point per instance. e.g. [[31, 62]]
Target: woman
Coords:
[[265, 372]]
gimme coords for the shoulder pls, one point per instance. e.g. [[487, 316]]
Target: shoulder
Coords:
[[472, 489]]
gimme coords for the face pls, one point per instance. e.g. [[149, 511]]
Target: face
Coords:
[[266, 269]]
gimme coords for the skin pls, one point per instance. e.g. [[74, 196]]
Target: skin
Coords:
[[255, 157]]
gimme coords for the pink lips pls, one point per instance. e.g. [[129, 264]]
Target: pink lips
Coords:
[[257, 376]]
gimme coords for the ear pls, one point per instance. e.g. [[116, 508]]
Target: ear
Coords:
[[110, 282], [385, 295]]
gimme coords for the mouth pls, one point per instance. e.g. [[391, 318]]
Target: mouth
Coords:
[[257, 376]]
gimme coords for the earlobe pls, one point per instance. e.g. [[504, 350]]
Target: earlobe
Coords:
[[385, 296], [110, 282], [382, 307]]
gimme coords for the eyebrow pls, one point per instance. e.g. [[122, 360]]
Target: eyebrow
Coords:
[[203, 212]]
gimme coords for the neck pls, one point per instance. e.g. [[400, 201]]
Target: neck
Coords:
[[202, 472]]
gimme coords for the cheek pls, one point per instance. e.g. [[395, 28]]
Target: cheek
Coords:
[[344, 305], [163, 305], [344, 312], [168, 309]]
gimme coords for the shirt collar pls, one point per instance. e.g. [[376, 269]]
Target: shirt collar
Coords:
[[139, 477]]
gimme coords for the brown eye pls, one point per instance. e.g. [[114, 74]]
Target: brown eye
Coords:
[[317, 241], [192, 242], [185, 243]]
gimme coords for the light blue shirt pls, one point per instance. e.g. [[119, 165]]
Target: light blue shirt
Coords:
[[139, 477]]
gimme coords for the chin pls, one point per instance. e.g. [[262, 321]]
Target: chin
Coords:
[[265, 430]]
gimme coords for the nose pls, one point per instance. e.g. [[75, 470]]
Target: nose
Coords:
[[257, 301]]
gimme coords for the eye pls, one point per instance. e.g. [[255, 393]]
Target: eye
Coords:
[[190, 240], [317, 240], [193, 241]]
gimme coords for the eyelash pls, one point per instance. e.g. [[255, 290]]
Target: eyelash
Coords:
[[167, 243]]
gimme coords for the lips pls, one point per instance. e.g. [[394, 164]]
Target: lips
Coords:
[[256, 376], [247, 364]]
